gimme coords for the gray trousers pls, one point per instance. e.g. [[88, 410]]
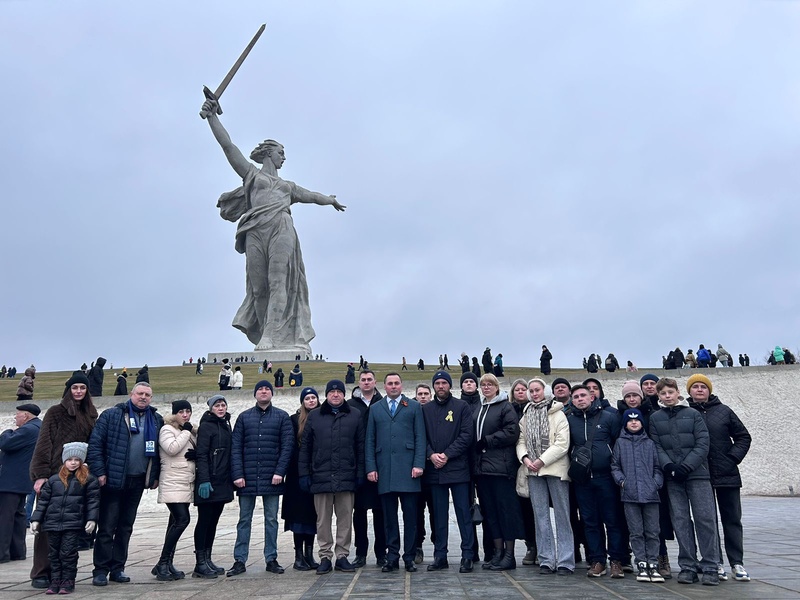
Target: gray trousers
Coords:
[[558, 552], [697, 494], [643, 526]]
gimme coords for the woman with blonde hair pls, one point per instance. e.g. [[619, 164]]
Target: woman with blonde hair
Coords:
[[543, 446], [496, 434]]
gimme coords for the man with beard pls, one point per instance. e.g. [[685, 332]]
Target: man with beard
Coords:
[[448, 430]]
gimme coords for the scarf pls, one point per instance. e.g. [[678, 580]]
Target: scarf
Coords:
[[537, 428], [150, 427]]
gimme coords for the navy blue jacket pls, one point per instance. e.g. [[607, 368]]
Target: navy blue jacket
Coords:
[[262, 446], [15, 459], [108, 448], [448, 429], [635, 467], [608, 426]]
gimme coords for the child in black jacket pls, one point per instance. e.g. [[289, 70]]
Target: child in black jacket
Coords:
[[68, 504]]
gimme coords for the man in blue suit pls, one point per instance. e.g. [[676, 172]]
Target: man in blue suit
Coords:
[[395, 460]]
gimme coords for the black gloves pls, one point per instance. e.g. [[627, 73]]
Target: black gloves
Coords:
[[191, 454], [682, 472], [187, 426]]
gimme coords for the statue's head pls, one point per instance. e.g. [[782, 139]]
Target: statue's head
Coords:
[[268, 150]]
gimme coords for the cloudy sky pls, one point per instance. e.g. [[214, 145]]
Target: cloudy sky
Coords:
[[614, 176]]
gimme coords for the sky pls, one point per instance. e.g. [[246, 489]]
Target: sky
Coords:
[[615, 176]]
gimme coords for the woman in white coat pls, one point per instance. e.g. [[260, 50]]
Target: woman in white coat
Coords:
[[176, 484], [543, 448]]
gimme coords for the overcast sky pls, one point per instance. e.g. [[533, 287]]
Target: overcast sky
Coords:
[[595, 176]]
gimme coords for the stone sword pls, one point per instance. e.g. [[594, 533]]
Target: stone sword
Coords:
[[216, 94]]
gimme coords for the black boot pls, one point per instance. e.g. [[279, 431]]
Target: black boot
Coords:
[[211, 565], [175, 573], [498, 554], [161, 570], [201, 568], [300, 560], [507, 561], [309, 553]]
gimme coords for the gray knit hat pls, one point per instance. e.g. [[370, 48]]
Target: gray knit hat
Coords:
[[74, 450], [214, 399]]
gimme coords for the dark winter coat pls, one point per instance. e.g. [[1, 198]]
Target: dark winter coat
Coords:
[[497, 424], [473, 400], [122, 386], [544, 361], [350, 377], [634, 466], [486, 360], [64, 508], [591, 366], [96, 376], [109, 444], [729, 441], [679, 359], [262, 447], [62, 423], [464, 362], [367, 496], [681, 437], [16, 452], [606, 434], [448, 429], [297, 505], [395, 445], [332, 450], [25, 387], [279, 378], [143, 375], [213, 462]]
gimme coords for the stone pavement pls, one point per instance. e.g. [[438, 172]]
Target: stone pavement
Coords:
[[772, 553]]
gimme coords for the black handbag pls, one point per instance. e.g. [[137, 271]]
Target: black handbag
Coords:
[[476, 514], [580, 464]]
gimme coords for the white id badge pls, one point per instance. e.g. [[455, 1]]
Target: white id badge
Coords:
[[149, 446]]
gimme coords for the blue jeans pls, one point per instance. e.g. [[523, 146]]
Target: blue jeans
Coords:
[[247, 504]]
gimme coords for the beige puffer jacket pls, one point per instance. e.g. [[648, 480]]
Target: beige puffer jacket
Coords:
[[556, 457], [176, 483]]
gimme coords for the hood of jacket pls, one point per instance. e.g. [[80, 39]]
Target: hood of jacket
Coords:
[[704, 406], [501, 397]]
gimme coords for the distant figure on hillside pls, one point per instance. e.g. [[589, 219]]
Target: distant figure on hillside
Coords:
[[441, 362], [486, 361], [592, 365], [143, 375], [224, 378], [585, 364], [199, 368], [679, 358], [279, 378], [96, 376], [296, 377], [446, 363], [789, 357], [690, 360], [464, 362], [703, 357], [631, 368], [351, 373], [420, 365], [778, 354], [612, 364], [544, 361], [122, 385], [498, 366], [3, 372], [476, 368], [403, 368], [84, 367], [237, 381], [25, 387], [360, 361], [741, 360], [724, 356]]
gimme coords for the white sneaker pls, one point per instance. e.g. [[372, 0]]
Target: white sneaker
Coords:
[[739, 574], [723, 576]]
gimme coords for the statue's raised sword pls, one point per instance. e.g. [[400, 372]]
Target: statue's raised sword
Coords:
[[216, 94]]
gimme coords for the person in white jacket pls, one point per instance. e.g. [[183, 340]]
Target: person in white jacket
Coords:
[[237, 381], [543, 448]]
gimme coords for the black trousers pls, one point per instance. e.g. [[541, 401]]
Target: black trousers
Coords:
[[425, 498], [501, 513], [178, 522], [205, 531], [63, 554], [117, 515], [729, 503], [12, 531], [408, 503], [367, 499]]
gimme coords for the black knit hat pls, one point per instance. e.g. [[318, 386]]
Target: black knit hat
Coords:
[[263, 383], [468, 375], [77, 377], [334, 384], [442, 375], [180, 405], [558, 380]]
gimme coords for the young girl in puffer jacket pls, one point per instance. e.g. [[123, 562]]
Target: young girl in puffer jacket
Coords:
[[68, 505]]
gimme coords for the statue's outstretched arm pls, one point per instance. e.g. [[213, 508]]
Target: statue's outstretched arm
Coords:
[[301, 194], [235, 157]]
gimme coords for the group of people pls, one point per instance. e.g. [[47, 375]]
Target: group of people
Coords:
[[616, 478], [702, 359], [9, 372]]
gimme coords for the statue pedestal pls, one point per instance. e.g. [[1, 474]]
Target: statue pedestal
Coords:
[[259, 356]]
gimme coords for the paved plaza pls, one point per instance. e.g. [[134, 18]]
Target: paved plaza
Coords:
[[772, 554]]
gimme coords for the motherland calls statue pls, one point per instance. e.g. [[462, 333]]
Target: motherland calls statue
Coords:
[[275, 314]]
